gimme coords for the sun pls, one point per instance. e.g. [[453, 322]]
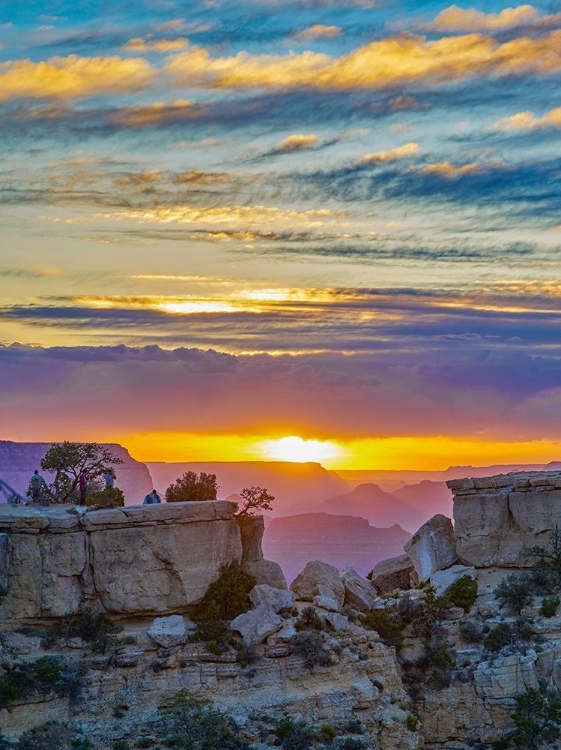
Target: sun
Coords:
[[296, 449]]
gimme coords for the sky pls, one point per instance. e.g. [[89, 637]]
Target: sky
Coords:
[[263, 229]]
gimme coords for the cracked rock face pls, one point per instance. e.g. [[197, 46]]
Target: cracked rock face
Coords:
[[137, 560], [319, 579]]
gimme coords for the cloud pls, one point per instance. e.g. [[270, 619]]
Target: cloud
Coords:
[[296, 142], [528, 121], [137, 44], [157, 113], [395, 61], [72, 77], [445, 169], [317, 31], [400, 152], [469, 19]]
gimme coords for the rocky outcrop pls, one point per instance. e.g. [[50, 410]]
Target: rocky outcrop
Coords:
[[392, 574], [443, 579], [146, 559], [319, 579], [498, 518], [19, 460], [432, 547], [358, 593], [264, 571]]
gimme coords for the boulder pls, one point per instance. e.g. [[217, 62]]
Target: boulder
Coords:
[[266, 572], [443, 579], [257, 625], [168, 631], [337, 621], [392, 574], [275, 599], [326, 602], [319, 579], [432, 547], [358, 592]]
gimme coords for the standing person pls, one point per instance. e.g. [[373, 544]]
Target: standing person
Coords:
[[35, 486], [83, 484], [110, 478]]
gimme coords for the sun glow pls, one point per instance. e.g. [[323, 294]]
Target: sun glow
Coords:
[[296, 449]]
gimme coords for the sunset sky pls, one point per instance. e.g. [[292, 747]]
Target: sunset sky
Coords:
[[258, 229]]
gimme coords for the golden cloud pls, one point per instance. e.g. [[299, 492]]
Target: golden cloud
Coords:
[[528, 121], [317, 31], [389, 62], [72, 77], [145, 115], [400, 152], [446, 169], [298, 142], [470, 19], [161, 45]]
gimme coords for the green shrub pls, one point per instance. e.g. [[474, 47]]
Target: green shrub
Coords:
[[412, 722], [120, 745], [327, 733], [429, 613], [48, 670], [498, 637], [549, 606], [53, 736], [354, 726], [385, 625], [92, 627], [351, 743], [309, 620], [224, 600], [463, 593], [294, 735], [108, 497], [310, 646], [3, 593], [471, 631], [144, 742], [192, 723], [537, 722], [516, 591]]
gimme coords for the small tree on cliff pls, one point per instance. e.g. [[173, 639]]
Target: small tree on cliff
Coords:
[[192, 486], [253, 499], [68, 460]]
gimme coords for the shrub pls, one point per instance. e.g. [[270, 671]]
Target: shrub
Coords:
[[192, 723], [498, 637], [90, 626], [191, 487], [412, 722], [120, 745], [108, 497], [549, 606], [471, 631], [309, 620], [53, 736], [387, 628], [463, 593], [516, 591], [429, 612], [293, 735], [354, 726], [224, 600], [351, 743], [537, 722], [327, 733], [310, 645]]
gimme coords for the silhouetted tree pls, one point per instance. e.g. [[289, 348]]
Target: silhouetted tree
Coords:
[[68, 460], [192, 486], [253, 499]]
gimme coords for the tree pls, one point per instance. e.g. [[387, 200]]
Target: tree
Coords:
[[68, 460], [192, 486], [253, 499]]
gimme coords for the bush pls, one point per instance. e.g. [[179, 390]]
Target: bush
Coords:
[[549, 606], [108, 497], [537, 722], [429, 612], [463, 593], [351, 743], [53, 736], [471, 631], [309, 620], [294, 735], [327, 733], [224, 600], [90, 626], [498, 637], [25, 678], [192, 723], [192, 487], [516, 591], [310, 645], [412, 722], [354, 726], [387, 628]]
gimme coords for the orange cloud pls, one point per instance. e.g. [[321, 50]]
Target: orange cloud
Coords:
[[401, 152], [445, 169], [72, 77], [144, 115], [394, 61], [162, 45], [470, 19], [528, 121], [298, 142], [318, 31]]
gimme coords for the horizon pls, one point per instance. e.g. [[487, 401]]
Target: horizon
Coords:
[[307, 230]]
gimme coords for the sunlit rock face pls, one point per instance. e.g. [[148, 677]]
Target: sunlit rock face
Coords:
[[130, 561], [19, 460], [498, 519]]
